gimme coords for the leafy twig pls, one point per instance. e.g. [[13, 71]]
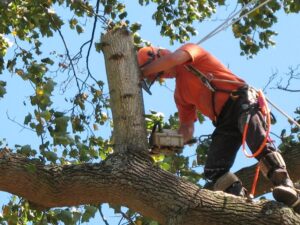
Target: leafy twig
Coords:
[[91, 43], [21, 125]]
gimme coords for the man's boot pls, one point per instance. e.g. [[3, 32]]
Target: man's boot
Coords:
[[273, 167], [231, 184]]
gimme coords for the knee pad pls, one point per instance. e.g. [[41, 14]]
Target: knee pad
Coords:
[[225, 181], [273, 167], [231, 184], [270, 162]]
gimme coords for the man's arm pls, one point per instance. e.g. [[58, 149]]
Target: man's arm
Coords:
[[186, 130], [167, 62]]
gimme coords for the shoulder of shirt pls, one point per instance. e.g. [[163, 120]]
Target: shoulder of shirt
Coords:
[[194, 50], [189, 45]]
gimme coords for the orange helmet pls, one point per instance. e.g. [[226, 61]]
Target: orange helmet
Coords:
[[147, 54]]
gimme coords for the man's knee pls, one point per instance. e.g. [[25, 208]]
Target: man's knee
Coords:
[[229, 183], [214, 174]]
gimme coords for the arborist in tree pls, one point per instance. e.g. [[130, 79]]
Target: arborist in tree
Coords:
[[204, 84]]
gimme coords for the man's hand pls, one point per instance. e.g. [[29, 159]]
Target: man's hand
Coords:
[[186, 130]]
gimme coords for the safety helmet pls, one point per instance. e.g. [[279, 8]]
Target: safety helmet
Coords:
[[148, 54]]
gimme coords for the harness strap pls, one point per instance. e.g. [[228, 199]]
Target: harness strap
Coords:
[[202, 77], [208, 83]]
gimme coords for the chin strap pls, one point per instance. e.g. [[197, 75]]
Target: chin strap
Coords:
[[147, 87]]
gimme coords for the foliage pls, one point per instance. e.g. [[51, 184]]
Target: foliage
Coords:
[[177, 20], [68, 107], [292, 139], [19, 211]]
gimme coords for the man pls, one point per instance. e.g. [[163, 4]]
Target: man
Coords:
[[204, 84]]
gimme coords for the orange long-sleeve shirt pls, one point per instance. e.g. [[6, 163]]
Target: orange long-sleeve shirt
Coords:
[[191, 94]]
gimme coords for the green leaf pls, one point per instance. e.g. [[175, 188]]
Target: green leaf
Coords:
[[74, 153], [49, 86], [2, 88], [46, 115], [201, 118], [158, 158], [165, 166], [98, 46], [25, 150], [39, 129], [47, 61], [28, 119], [135, 27], [73, 22], [79, 29], [61, 124], [51, 156], [122, 15], [153, 223], [89, 213], [108, 9], [65, 216], [62, 140]]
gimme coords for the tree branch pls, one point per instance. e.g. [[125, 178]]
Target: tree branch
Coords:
[[102, 215], [69, 57], [293, 75], [91, 43], [291, 158], [131, 180]]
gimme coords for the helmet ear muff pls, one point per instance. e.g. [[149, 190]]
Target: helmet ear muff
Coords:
[[151, 54], [151, 57]]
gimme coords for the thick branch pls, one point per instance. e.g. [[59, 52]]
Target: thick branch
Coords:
[[131, 180]]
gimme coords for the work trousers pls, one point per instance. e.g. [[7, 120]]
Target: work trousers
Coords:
[[227, 137]]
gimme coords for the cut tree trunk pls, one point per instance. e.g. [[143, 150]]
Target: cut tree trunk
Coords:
[[126, 99]]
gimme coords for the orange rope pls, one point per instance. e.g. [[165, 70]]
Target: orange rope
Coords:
[[265, 110], [254, 184]]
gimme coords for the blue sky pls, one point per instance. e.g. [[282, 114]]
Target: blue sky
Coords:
[[255, 71]]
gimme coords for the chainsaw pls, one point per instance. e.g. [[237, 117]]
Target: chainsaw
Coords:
[[166, 141]]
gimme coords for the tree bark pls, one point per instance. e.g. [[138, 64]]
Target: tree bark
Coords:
[[131, 180], [125, 93]]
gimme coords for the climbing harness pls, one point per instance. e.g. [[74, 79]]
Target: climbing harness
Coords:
[[290, 119], [262, 104], [207, 82], [265, 111], [234, 93]]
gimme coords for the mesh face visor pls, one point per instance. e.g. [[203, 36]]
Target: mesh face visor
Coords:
[[151, 57]]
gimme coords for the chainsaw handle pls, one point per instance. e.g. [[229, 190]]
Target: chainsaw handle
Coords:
[[191, 141]]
